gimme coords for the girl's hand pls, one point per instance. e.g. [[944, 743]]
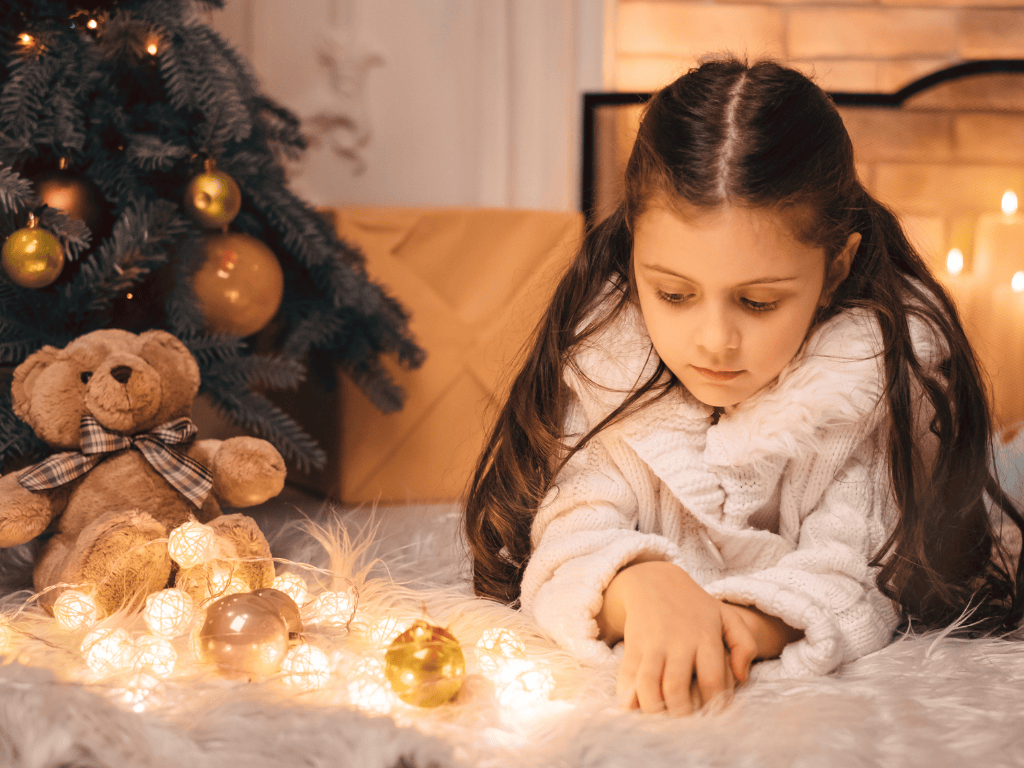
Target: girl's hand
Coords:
[[682, 646]]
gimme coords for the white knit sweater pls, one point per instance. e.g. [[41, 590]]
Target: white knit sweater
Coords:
[[779, 505]]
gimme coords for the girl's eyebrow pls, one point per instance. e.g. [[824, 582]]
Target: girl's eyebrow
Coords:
[[758, 281]]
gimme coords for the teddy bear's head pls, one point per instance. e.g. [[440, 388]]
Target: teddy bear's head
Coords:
[[129, 383]]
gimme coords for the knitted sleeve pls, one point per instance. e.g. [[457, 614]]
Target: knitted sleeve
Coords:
[[826, 587], [583, 534]]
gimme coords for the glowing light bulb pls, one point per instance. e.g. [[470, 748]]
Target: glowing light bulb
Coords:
[[496, 645], [75, 610], [307, 667], [192, 544], [1017, 282], [955, 261], [224, 581], [92, 24], [292, 585], [152, 49], [168, 612], [141, 691], [1009, 202], [382, 631], [331, 609], [26, 38], [520, 683], [108, 650], [368, 689], [155, 655]]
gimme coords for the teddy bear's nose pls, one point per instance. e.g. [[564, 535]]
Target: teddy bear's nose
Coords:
[[121, 374]]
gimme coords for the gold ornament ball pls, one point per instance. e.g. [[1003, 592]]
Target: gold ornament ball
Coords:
[[244, 635], [33, 257], [239, 285], [213, 199], [425, 665], [285, 605]]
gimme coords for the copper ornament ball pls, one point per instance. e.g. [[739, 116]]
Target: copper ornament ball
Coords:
[[213, 199], [244, 635], [239, 285], [33, 257], [76, 196], [425, 665]]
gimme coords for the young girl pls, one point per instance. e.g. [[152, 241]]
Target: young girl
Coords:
[[751, 426]]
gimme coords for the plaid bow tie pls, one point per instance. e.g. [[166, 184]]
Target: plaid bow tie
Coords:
[[188, 476]]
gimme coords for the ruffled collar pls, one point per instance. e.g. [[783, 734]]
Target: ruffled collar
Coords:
[[836, 379]]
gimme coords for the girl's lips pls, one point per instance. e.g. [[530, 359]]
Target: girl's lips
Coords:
[[717, 375]]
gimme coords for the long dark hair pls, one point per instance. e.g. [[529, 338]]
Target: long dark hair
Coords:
[[766, 136]]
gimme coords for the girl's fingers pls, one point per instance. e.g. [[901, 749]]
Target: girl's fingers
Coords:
[[741, 644], [625, 686], [677, 685], [648, 683], [710, 670]]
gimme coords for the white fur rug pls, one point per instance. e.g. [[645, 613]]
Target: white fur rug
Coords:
[[923, 701]]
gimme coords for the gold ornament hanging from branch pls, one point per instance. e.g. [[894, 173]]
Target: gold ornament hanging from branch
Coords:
[[212, 198], [239, 285], [425, 665], [32, 256]]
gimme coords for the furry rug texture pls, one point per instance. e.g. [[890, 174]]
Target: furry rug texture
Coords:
[[931, 700]]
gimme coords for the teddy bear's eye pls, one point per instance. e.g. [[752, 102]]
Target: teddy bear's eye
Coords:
[[86, 375]]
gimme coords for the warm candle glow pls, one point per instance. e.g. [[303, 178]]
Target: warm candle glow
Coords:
[[92, 24], [152, 48], [25, 38], [955, 261], [1009, 203], [1017, 282]]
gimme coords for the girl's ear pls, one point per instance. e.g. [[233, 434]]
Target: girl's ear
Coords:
[[839, 269]]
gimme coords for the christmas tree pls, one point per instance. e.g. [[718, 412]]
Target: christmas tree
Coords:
[[142, 186]]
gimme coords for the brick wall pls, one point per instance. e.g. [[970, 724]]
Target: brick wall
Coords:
[[859, 45], [942, 162]]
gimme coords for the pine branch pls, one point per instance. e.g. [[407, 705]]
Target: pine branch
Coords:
[[211, 348], [21, 99], [16, 192], [254, 412], [148, 152], [73, 233], [19, 340], [262, 371]]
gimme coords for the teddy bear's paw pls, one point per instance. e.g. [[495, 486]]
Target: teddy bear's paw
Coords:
[[247, 471], [123, 554]]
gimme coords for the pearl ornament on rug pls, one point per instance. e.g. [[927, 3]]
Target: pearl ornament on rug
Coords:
[[425, 665], [75, 610], [168, 612], [244, 635], [192, 544], [286, 607]]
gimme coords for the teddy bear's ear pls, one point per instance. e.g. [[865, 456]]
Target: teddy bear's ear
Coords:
[[183, 357], [25, 376]]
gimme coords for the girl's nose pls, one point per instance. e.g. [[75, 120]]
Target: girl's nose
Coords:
[[718, 332]]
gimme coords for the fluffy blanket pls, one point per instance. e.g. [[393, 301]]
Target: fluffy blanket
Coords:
[[930, 700]]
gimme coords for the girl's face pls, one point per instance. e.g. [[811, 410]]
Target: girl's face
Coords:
[[728, 296]]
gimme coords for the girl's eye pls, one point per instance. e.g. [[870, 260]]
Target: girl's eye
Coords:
[[86, 375], [760, 306], [673, 298]]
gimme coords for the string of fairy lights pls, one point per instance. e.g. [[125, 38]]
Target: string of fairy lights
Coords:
[[299, 637]]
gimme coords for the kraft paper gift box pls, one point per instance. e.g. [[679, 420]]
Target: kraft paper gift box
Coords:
[[475, 282]]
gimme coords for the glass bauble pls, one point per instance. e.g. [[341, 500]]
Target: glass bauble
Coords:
[[213, 199], [76, 196], [239, 285], [33, 257], [425, 665], [287, 607], [244, 635]]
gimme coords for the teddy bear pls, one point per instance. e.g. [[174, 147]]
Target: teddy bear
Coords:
[[117, 407]]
